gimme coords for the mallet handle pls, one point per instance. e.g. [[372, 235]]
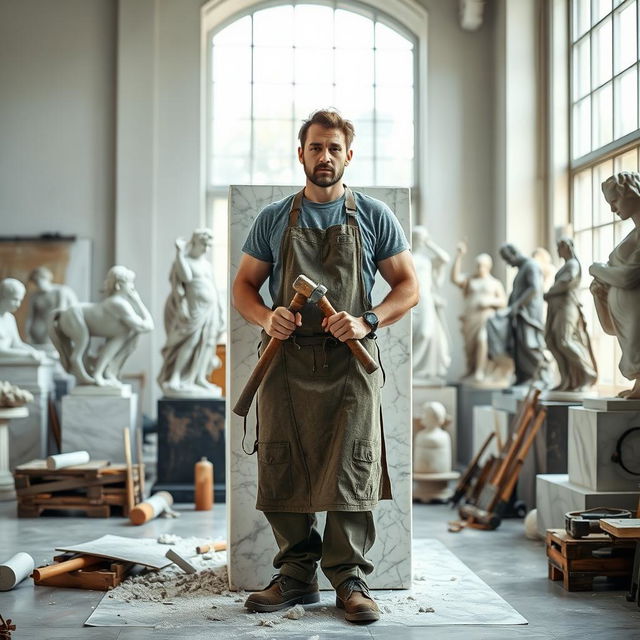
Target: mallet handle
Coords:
[[246, 397], [369, 364], [81, 562]]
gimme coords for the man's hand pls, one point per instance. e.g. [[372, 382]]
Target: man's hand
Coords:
[[346, 327], [281, 323]]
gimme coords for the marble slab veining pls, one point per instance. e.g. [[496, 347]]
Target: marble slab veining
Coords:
[[252, 546]]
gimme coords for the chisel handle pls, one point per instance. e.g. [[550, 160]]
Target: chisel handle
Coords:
[[81, 562]]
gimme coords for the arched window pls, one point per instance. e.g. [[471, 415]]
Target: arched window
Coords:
[[270, 66]]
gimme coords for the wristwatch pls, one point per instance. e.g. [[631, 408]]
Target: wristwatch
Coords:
[[372, 320]]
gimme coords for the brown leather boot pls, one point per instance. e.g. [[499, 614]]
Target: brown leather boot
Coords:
[[282, 592], [353, 596]]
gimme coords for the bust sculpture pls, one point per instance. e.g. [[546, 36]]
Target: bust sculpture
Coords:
[[518, 330], [432, 445], [430, 339], [483, 296], [120, 318], [12, 349], [616, 283], [194, 321], [566, 329], [46, 297]]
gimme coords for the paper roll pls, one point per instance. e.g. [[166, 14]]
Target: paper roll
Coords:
[[15, 570], [151, 508], [63, 460]]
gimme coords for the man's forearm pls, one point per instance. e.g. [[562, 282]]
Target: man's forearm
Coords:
[[250, 305], [396, 303]]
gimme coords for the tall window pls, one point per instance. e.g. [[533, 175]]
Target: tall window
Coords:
[[605, 139], [269, 69]]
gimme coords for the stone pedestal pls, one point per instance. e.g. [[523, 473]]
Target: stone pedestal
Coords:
[[29, 437], [433, 487], [188, 429], [556, 495], [7, 485], [95, 423], [487, 420], [448, 397], [594, 435]]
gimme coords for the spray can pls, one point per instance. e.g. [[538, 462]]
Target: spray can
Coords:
[[203, 489]]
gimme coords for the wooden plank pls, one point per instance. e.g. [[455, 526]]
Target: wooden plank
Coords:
[[65, 485], [622, 527]]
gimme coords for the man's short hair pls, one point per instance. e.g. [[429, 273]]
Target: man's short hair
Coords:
[[329, 119]]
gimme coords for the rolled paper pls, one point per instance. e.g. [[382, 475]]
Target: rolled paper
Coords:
[[63, 460], [151, 508], [15, 570]]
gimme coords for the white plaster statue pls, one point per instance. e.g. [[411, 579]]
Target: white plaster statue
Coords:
[[12, 348], [566, 329], [47, 297], [544, 259], [430, 339], [432, 444], [120, 318], [194, 321], [616, 283], [483, 296], [13, 396]]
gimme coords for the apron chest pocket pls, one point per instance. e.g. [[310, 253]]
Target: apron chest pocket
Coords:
[[366, 468], [274, 471]]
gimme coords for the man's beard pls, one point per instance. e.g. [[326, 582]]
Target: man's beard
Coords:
[[324, 179]]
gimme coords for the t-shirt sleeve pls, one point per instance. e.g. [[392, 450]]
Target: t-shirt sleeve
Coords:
[[257, 242], [390, 238]]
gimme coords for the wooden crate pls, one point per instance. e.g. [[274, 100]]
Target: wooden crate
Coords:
[[573, 561], [95, 488], [101, 577]]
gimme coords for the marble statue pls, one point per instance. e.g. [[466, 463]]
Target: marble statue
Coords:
[[616, 283], [12, 396], [518, 330], [566, 329], [47, 297], [194, 321], [483, 296], [432, 444], [12, 348], [120, 318], [545, 261], [430, 338]]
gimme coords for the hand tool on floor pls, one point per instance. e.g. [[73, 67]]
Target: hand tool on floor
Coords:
[[151, 508], [213, 546], [465, 481], [579, 524], [81, 562]]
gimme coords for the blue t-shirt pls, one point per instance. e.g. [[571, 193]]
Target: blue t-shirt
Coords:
[[381, 233]]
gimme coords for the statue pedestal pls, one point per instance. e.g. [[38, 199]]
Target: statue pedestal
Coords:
[[7, 485], [29, 437], [488, 420], [188, 429], [445, 395], [433, 487], [95, 423]]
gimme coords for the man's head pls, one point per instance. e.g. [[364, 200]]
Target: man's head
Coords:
[[511, 255], [325, 147]]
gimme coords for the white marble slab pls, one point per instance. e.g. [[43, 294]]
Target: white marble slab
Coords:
[[488, 420], [612, 404], [96, 423], [593, 436], [555, 496], [252, 546], [448, 396]]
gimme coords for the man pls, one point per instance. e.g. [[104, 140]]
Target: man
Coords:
[[320, 443]]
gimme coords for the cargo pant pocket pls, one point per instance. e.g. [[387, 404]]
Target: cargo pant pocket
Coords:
[[274, 471], [366, 469]]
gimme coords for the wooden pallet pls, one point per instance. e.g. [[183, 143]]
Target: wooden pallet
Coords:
[[574, 562], [101, 577], [95, 488]]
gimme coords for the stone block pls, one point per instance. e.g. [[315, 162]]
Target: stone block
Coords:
[[486, 420], [469, 397], [445, 395]]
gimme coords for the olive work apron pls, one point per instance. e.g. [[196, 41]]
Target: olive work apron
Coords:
[[320, 439]]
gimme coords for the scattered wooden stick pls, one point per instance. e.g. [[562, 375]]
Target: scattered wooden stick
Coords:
[[127, 458], [212, 546], [140, 465], [67, 566]]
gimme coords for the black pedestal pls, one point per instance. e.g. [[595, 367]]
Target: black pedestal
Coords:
[[189, 429]]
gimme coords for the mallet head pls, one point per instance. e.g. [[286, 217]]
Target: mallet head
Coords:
[[310, 289]]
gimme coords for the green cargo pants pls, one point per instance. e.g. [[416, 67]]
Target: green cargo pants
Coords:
[[348, 536]]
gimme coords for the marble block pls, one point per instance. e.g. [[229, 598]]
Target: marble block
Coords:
[[448, 397], [612, 404], [7, 485], [593, 436], [509, 400], [251, 542], [556, 496], [469, 397], [487, 420], [29, 437], [96, 423], [188, 429]]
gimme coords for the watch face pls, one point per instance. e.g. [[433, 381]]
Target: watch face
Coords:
[[371, 319]]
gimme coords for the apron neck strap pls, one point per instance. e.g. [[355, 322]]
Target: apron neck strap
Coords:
[[349, 204]]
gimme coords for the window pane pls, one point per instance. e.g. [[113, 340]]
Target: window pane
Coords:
[[363, 142], [581, 17], [602, 116], [394, 67], [626, 43], [387, 38], [231, 64], [582, 243], [582, 218], [622, 229], [360, 172], [273, 26], [601, 210], [231, 101], [273, 64], [582, 68], [600, 9], [227, 170], [626, 93], [627, 161], [309, 97], [394, 103], [238, 32], [311, 20], [273, 138], [273, 169], [582, 127], [395, 139], [272, 100], [394, 172], [602, 243], [220, 253], [354, 67], [353, 30], [313, 65], [354, 105], [231, 137], [601, 54]]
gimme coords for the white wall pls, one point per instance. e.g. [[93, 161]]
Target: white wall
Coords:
[[57, 121]]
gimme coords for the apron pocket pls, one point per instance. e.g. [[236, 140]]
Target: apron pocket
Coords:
[[274, 471], [366, 469]]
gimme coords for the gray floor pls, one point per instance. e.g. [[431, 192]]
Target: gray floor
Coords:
[[504, 559]]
